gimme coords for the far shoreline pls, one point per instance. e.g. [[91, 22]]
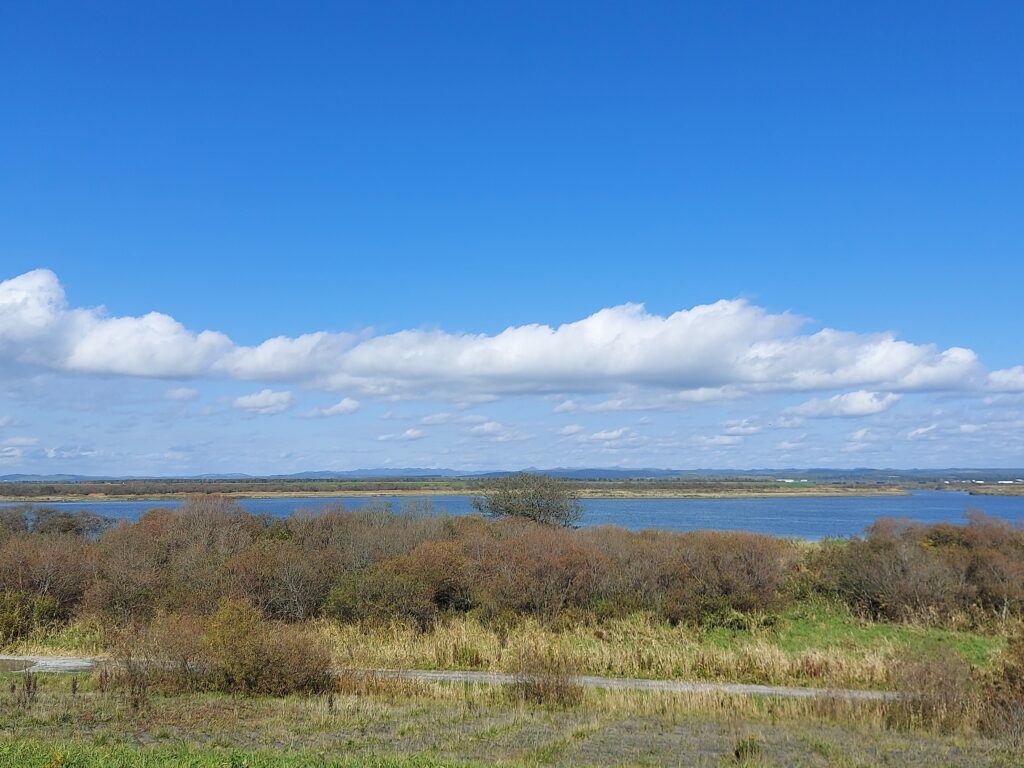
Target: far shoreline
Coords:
[[782, 493]]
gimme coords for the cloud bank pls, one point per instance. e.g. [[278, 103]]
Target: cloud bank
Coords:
[[723, 350]]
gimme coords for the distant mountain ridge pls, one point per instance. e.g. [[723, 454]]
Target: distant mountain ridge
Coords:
[[861, 474]]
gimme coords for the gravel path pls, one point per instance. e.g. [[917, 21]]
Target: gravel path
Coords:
[[637, 684], [73, 664], [51, 663]]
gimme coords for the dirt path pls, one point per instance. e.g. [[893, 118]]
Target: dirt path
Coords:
[[65, 664]]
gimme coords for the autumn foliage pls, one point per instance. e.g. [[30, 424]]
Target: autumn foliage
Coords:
[[374, 565]]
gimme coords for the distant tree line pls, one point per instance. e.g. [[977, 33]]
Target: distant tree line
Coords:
[[159, 487]]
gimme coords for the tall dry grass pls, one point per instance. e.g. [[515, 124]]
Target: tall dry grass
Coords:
[[640, 646]]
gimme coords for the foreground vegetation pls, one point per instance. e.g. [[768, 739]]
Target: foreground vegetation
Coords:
[[390, 723], [374, 566], [818, 646], [209, 610]]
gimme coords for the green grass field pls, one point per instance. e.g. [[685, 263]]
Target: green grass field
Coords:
[[826, 626], [447, 725], [35, 753]]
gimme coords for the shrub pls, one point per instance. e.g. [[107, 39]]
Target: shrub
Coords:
[[249, 656], [21, 614], [174, 651], [996, 562], [27, 518], [171, 559], [130, 574], [376, 565], [444, 570], [530, 568], [895, 574], [380, 595], [14, 520], [1003, 714], [528, 496], [936, 691], [49, 521], [57, 566], [549, 680], [236, 650], [630, 576], [280, 578], [716, 575]]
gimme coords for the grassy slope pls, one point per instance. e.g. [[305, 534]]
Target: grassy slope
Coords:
[[42, 753], [824, 627], [415, 725]]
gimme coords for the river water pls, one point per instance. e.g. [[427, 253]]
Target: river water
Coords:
[[802, 517]]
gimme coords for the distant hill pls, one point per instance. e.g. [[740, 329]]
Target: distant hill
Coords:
[[856, 475], [56, 479]]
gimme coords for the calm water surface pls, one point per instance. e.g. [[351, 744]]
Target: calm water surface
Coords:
[[808, 518]]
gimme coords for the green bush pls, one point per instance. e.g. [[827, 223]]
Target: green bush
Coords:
[[529, 496], [248, 655], [236, 650], [380, 595], [22, 613]]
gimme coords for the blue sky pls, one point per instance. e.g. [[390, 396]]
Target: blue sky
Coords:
[[819, 206]]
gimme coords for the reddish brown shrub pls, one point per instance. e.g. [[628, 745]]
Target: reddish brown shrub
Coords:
[[280, 578], [893, 573], [715, 573], [535, 569], [57, 566], [236, 650], [445, 572]]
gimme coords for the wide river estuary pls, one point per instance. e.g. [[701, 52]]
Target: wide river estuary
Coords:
[[801, 517]]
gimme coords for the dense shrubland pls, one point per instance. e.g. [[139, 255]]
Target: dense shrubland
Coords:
[[374, 565]]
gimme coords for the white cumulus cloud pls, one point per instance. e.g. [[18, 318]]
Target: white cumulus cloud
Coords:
[[436, 418], [31, 305], [265, 402], [1007, 380], [605, 435], [409, 434], [851, 404], [343, 406], [741, 427], [494, 431]]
